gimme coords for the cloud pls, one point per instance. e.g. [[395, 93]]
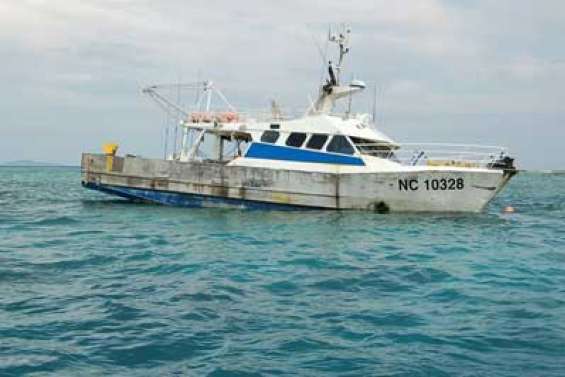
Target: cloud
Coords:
[[430, 57]]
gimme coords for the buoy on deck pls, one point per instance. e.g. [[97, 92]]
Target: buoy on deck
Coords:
[[509, 209]]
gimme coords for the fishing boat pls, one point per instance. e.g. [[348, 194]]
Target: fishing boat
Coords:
[[321, 159]]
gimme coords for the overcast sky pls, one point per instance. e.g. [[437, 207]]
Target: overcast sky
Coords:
[[470, 71]]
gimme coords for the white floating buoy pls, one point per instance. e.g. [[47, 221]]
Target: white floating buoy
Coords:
[[508, 209]]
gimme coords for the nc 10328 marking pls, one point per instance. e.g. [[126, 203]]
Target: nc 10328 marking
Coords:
[[441, 184]]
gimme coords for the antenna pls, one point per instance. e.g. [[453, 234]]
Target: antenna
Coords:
[[331, 90], [341, 38], [323, 52], [275, 110], [374, 104]]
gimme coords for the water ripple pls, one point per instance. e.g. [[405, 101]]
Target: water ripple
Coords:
[[97, 286]]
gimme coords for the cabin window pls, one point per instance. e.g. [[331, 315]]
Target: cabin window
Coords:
[[296, 139], [340, 144], [373, 148], [275, 126], [317, 141], [270, 137]]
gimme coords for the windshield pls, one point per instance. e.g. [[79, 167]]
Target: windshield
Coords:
[[372, 147]]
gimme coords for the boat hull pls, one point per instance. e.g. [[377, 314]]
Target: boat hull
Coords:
[[210, 184]]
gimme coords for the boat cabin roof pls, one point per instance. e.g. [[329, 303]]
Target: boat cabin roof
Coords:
[[355, 127]]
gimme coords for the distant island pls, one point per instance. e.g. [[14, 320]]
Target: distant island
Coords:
[[559, 172], [31, 163]]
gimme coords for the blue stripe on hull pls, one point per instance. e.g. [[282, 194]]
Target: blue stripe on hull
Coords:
[[277, 152], [188, 200]]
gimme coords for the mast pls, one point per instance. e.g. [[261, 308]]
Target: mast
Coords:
[[342, 40], [332, 90]]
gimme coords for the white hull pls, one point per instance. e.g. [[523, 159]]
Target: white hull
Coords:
[[425, 190]]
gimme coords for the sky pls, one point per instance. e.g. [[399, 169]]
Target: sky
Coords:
[[481, 72]]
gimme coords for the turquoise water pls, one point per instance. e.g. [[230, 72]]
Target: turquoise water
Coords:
[[96, 286]]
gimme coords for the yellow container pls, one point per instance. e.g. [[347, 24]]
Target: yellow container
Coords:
[[110, 148]]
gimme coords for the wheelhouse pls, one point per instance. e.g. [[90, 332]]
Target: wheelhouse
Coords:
[[328, 143]]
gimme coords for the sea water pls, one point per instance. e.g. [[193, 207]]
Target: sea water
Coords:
[[94, 285]]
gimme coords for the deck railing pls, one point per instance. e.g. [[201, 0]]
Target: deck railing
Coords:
[[257, 115], [238, 117], [436, 154]]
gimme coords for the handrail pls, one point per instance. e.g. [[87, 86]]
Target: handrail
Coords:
[[437, 154], [263, 115], [456, 145], [436, 144]]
